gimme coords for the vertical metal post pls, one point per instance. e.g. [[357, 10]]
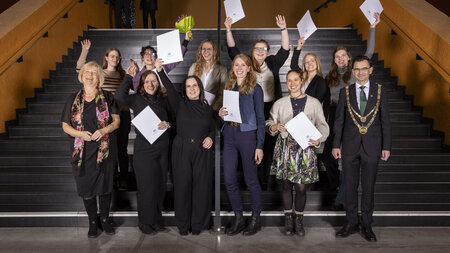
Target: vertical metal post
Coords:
[[217, 228], [219, 13]]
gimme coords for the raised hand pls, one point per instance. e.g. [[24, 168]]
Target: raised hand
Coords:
[[188, 35], [159, 64], [131, 70], [281, 22], [228, 22], [376, 15], [300, 43], [85, 44]]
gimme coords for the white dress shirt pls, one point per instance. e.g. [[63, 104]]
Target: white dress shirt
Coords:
[[358, 91]]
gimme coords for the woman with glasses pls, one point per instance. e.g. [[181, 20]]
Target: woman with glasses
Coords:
[[266, 68], [208, 69], [149, 56], [114, 73], [339, 76]]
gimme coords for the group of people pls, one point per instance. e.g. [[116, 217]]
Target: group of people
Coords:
[[359, 116], [125, 13]]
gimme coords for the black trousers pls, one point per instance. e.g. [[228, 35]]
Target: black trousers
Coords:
[[331, 164], [269, 145], [125, 6], [193, 169], [356, 165], [122, 144], [145, 13], [150, 167]]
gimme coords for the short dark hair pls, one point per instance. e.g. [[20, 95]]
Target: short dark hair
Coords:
[[361, 58], [143, 49]]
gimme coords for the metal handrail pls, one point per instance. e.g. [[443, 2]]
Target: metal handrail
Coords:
[[17, 56], [324, 5]]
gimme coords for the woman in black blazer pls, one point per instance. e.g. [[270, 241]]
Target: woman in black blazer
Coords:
[[315, 85]]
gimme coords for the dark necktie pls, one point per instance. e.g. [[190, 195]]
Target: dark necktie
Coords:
[[362, 100]]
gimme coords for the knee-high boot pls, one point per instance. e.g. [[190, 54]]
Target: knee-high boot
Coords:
[[91, 209], [105, 203]]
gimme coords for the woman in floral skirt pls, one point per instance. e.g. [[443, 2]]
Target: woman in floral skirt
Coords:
[[296, 167]]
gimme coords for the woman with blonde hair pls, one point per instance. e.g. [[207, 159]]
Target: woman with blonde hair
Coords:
[[247, 139], [208, 69], [91, 117], [114, 73]]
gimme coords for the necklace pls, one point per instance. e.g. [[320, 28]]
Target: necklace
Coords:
[[353, 112]]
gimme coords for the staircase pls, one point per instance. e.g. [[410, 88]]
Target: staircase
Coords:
[[37, 187]]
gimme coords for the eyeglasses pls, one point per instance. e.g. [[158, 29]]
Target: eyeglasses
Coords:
[[365, 69], [260, 48], [149, 54]]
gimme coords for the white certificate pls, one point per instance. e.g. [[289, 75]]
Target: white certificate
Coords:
[[169, 48], [209, 97], [370, 7], [231, 102], [147, 123], [306, 26], [302, 129], [234, 10]]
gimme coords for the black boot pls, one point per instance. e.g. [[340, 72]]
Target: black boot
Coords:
[[238, 225], [299, 230], [254, 225], [289, 224], [105, 203], [91, 209]]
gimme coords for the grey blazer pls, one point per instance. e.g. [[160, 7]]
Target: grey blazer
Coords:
[[217, 81]]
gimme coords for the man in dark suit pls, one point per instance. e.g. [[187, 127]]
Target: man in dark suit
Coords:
[[363, 129]]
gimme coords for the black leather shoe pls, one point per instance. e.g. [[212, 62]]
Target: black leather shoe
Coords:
[[368, 234], [160, 228], [238, 224], [147, 229], [254, 225], [346, 231]]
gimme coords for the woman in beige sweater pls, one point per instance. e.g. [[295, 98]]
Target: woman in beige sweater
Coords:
[[296, 167]]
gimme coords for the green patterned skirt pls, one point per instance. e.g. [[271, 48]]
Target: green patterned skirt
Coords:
[[291, 162]]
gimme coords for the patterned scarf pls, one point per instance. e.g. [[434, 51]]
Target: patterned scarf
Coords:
[[102, 121]]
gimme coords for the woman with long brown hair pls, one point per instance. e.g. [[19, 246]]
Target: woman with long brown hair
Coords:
[[207, 68], [247, 139], [266, 69]]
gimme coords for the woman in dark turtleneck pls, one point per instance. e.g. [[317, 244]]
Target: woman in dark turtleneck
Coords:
[[192, 153], [150, 161]]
